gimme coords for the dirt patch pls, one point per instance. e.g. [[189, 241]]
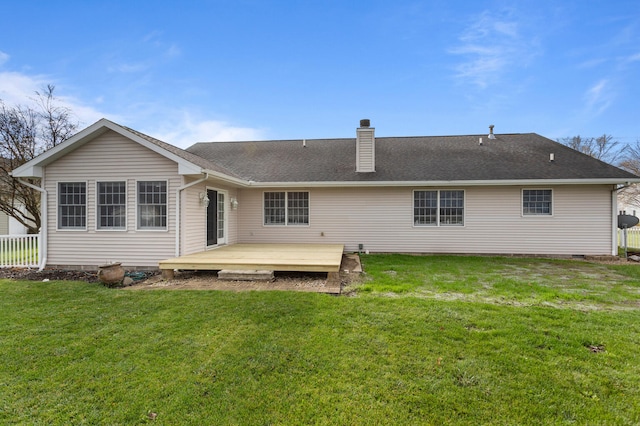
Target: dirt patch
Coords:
[[287, 281], [205, 280], [48, 275], [208, 280]]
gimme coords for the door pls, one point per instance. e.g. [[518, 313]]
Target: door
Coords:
[[212, 218], [216, 216]]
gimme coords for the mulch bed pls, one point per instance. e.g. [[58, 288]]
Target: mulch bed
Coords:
[[50, 274]]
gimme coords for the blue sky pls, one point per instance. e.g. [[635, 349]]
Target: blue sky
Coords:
[[193, 71]]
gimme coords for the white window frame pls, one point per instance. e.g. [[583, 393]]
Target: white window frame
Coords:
[[221, 205], [166, 205], [438, 221], [98, 205], [522, 212], [58, 207], [286, 209]]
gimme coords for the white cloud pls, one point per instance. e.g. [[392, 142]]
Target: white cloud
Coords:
[[598, 97], [20, 89], [173, 51], [3, 57], [490, 47], [128, 68], [17, 88], [632, 58], [185, 130], [188, 131]]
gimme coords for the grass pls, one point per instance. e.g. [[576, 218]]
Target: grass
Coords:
[[409, 349], [505, 280]]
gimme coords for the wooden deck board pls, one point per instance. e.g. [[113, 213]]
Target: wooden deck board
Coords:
[[276, 257]]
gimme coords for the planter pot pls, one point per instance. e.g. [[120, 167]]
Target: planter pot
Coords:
[[111, 274]]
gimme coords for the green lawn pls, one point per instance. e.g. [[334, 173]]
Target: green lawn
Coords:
[[422, 340]]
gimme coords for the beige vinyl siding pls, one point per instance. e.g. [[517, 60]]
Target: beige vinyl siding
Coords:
[[110, 157], [365, 147], [194, 221], [382, 220], [4, 223]]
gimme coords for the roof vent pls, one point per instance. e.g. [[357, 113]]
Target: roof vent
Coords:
[[491, 135]]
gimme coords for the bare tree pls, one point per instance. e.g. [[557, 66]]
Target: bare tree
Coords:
[[631, 162], [603, 147], [25, 132]]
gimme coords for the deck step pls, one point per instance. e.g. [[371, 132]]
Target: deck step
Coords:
[[248, 275]]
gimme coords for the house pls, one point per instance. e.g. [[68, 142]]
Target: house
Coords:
[[10, 226], [114, 194], [4, 223]]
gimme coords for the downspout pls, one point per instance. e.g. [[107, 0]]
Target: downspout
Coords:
[[42, 249], [178, 209], [614, 223]]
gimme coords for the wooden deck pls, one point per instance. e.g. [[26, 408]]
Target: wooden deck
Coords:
[[274, 257]]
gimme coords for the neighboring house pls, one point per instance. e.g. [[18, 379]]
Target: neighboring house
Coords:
[[10, 226], [114, 194], [628, 201], [4, 223]]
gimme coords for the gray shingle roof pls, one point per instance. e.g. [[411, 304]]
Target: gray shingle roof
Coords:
[[433, 158]]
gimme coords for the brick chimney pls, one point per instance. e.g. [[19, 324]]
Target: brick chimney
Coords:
[[365, 147]]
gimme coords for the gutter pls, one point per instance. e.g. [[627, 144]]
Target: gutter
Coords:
[[42, 246], [444, 183], [178, 209], [627, 184]]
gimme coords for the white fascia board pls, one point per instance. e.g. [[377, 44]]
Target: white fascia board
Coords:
[[27, 172], [458, 183]]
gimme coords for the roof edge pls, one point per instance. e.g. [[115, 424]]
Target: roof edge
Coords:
[[449, 183]]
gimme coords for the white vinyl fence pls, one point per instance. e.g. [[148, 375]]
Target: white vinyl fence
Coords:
[[633, 237], [19, 251]]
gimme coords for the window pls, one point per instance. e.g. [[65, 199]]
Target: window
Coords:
[[536, 202], [297, 208], [152, 205], [438, 208], [72, 205], [425, 207], [274, 208], [220, 225], [286, 208], [451, 207], [112, 205]]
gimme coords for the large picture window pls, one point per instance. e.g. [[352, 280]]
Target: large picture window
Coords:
[[286, 208], [112, 205], [72, 205], [438, 208], [536, 202], [152, 205]]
